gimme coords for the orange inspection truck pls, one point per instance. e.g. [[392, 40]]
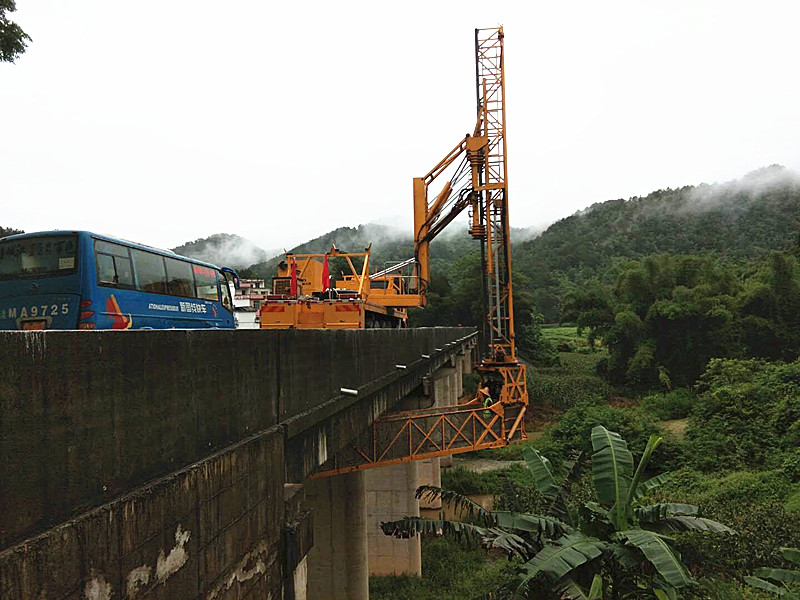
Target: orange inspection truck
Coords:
[[305, 296]]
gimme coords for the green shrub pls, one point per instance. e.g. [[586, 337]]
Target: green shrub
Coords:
[[462, 480], [761, 530], [470, 383], [729, 494], [713, 588], [792, 504], [791, 465], [747, 415], [573, 431], [565, 392], [754, 504], [676, 404]]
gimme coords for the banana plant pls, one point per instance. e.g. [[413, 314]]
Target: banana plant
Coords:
[[619, 542], [784, 583]]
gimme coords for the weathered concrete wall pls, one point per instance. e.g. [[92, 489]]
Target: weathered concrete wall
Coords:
[[89, 422], [87, 416], [211, 530]]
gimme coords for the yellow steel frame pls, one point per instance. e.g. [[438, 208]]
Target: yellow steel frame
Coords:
[[421, 434], [428, 433]]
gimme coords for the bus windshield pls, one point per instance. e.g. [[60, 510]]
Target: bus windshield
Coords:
[[38, 257]]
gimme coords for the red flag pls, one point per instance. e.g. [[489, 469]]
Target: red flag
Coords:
[[325, 275], [293, 289]]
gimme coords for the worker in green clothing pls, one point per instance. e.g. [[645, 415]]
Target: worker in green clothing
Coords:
[[483, 392]]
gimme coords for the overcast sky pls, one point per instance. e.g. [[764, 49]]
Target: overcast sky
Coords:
[[167, 121]]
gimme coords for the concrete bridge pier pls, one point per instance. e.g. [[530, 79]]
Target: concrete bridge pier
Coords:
[[337, 566], [390, 496]]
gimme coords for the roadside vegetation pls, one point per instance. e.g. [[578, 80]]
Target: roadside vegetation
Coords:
[[698, 347], [731, 448]]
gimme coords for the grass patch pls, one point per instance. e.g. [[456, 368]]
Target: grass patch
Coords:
[[461, 480], [449, 572], [572, 382], [565, 338]]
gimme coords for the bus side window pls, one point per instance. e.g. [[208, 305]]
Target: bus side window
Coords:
[[113, 264], [179, 278], [224, 287], [124, 272], [105, 269], [205, 280], [150, 273]]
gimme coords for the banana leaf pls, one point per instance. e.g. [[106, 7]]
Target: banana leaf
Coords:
[[768, 587], [546, 526], [782, 575], [652, 444], [569, 590], [559, 505], [562, 556], [791, 554], [624, 556], [463, 505], [509, 542], [595, 508], [539, 466], [660, 554], [612, 468], [474, 535], [596, 591], [656, 513], [674, 524], [410, 526], [668, 593], [647, 486]]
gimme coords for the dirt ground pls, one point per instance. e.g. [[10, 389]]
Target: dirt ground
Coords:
[[676, 427]]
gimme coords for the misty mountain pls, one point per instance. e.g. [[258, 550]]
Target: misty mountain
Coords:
[[223, 249], [741, 220], [389, 245]]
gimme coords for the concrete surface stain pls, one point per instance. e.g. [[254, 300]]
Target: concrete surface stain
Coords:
[[138, 578], [242, 573], [35, 343], [322, 447], [98, 589], [177, 556]]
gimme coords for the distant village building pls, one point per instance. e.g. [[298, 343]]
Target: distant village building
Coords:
[[250, 294]]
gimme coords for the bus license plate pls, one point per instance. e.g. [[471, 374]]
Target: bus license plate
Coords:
[[33, 325]]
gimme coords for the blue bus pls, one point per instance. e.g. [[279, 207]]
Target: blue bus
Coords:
[[82, 280]]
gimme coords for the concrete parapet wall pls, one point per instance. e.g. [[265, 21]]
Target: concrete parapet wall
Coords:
[[211, 530], [88, 416], [152, 464]]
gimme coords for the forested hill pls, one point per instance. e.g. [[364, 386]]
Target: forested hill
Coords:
[[742, 219], [9, 231]]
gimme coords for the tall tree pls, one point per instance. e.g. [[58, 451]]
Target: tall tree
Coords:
[[13, 41]]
